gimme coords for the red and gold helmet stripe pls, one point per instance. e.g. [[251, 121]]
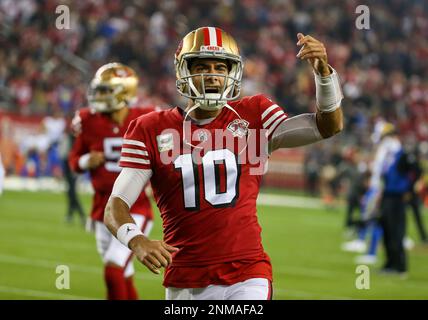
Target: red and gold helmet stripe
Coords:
[[212, 36]]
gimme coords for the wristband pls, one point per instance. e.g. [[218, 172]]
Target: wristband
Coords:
[[126, 232], [328, 92], [84, 161]]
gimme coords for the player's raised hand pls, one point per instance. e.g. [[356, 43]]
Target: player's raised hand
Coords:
[[154, 254], [314, 52], [96, 158]]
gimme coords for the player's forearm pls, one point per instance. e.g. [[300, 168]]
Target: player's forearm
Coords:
[[73, 162], [81, 163], [119, 221], [116, 214], [329, 116], [78, 151], [126, 190], [329, 123]]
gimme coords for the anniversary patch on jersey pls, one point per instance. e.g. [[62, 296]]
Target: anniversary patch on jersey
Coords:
[[238, 127]]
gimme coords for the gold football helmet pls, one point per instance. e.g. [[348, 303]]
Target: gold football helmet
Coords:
[[214, 43], [113, 87]]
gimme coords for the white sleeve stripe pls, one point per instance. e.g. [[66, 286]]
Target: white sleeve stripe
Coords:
[[134, 151], [135, 148], [134, 156], [135, 160], [272, 118], [134, 142], [268, 110], [276, 123]]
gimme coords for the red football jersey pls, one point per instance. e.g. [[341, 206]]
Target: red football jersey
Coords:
[[97, 132], [207, 195]]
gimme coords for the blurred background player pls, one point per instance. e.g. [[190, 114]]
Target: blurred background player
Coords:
[[387, 144], [99, 130], [397, 175], [354, 170]]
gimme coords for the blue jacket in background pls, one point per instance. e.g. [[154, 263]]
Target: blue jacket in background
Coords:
[[396, 180]]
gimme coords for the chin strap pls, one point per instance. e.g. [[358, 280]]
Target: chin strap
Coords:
[[194, 107]]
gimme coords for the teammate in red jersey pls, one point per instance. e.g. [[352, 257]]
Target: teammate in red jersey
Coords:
[[99, 130], [206, 172]]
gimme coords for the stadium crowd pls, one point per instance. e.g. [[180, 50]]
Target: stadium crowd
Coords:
[[45, 71]]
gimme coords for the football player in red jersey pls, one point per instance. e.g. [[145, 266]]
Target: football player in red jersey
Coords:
[[99, 130], [201, 170]]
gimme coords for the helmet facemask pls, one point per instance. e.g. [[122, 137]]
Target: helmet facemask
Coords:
[[208, 100], [103, 98], [214, 44], [113, 87], [208, 43]]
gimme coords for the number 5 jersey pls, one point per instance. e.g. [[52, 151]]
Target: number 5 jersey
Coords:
[[97, 132]]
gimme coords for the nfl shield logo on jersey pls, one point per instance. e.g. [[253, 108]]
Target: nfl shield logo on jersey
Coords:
[[238, 127], [165, 142]]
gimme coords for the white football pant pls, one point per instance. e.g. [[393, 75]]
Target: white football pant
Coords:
[[251, 289]]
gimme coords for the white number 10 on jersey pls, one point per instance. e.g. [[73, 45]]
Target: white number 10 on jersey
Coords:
[[211, 180]]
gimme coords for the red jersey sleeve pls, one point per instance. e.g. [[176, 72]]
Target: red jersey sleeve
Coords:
[[271, 115], [136, 151], [79, 147]]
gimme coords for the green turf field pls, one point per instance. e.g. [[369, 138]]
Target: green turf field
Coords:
[[304, 245]]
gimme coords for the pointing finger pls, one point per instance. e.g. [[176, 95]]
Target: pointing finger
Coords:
[[300, 36], [307, 39]]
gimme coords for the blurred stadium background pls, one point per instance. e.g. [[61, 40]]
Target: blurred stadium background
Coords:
[[44, 73]]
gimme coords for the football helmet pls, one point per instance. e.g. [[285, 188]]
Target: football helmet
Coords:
[[213, 43], [113, 87]]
